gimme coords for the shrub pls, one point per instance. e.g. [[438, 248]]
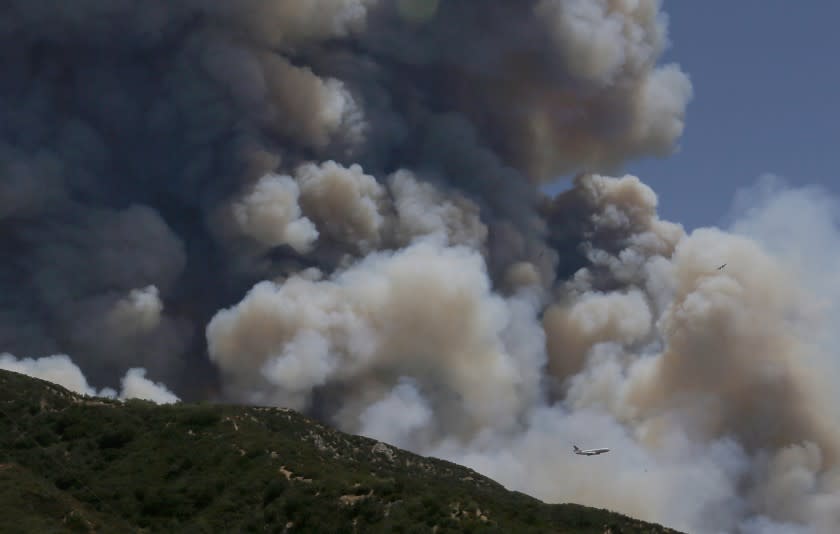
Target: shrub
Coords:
[[115, 439], [199, 416], [273, 490]]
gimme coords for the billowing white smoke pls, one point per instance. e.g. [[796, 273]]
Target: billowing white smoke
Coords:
[[270, 214], [602, 39], [426, 311], [135, 385], [61, 370], [347, 207], [397, 416], [423, 210], [712, 386], [345, 203]]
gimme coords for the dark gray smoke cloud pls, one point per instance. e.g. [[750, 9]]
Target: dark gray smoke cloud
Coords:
[[184, 145], [334, 205]]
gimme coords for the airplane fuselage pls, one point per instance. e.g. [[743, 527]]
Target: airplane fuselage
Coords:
[[591, 452]]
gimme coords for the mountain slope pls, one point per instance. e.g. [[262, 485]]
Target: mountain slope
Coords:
[[74, 463]]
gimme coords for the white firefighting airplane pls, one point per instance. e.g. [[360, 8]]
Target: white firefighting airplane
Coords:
[[589, 452]]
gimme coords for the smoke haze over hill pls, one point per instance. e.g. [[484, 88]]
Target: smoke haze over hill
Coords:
[[335, 206]]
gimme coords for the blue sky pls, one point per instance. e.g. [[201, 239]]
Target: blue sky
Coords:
[[766, 100]]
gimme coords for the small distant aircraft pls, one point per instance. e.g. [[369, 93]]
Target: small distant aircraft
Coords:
[[721, 267], [589, 452]]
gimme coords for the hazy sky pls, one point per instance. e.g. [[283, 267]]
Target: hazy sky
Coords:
[[766, 100]]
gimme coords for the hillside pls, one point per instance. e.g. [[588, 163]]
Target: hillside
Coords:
[[79, 464]]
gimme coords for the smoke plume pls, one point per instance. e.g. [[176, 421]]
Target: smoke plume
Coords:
[[62, 371], [335, 205]]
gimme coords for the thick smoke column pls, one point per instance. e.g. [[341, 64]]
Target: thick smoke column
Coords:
[[195, 144], [334, 205]]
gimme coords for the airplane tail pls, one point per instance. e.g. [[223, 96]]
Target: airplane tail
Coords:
[[575, 447]]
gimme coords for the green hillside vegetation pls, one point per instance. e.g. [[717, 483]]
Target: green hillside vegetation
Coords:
[[70, 463]]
